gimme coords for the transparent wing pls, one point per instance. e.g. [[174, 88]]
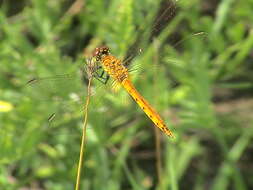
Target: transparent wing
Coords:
[[56, 94], [153, 58], [59, 100]]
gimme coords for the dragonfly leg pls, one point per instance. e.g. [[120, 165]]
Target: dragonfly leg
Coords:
[[103, 80], [101, 77], [102, 74], [98, 72], [107, 78]]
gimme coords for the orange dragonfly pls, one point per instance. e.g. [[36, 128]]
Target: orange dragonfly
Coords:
[[115, 69]]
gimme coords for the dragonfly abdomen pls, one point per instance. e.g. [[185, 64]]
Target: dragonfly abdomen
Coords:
[[146, 107]]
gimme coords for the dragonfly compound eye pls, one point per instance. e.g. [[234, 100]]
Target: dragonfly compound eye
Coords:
[[104, 50], [100, 51]]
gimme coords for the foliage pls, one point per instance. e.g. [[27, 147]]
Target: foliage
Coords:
[[202, 87]]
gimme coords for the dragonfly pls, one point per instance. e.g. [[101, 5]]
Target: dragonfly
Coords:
[[114, 68]]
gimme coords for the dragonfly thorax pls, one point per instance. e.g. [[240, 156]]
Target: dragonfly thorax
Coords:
[[111, 64], [114, 68]]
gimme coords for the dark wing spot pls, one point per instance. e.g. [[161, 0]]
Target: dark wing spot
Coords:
[[34, 80], [51, 117]]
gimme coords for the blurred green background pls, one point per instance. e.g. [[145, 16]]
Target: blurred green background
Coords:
[[200, 84]]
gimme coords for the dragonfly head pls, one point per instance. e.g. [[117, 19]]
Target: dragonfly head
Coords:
[[99, 52]]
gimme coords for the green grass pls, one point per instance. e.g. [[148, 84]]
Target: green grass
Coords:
[[202, 87]]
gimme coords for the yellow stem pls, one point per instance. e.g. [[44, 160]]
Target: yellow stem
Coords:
[[81, 156]]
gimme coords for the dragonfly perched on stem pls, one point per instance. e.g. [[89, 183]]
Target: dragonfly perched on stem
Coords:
[[103, 71]]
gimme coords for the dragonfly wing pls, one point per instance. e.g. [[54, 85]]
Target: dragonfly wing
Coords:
[[55, 94]]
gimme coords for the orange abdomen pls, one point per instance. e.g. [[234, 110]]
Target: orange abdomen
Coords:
[[146, 107], [119, 72]]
